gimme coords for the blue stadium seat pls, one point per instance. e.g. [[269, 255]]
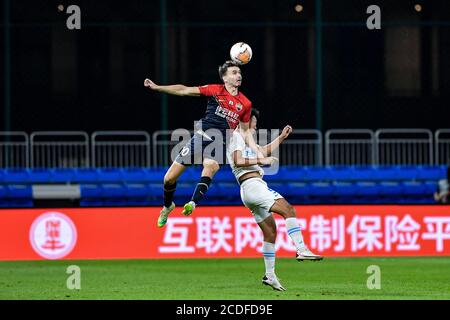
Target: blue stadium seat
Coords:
[[391, 188], [3, 192], [362, 173], [91, 202], [113, 190], [298, 189], [413, 188], [431, 187], [430, 173], [85, 175], [131, 175], [384, 173], [135, 190], [340, 173], [345, 189], [280, 187], [62, 175], [224, 175], [40, 175], [90, 191], [19, 191], [155, 175], [407, 173], [368, 189], [16, 176], [317, 174], [16, 203], [292, 173], [113, 175], [321, 189]]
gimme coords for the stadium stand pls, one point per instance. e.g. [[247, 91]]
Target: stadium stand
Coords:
[[309, 184]]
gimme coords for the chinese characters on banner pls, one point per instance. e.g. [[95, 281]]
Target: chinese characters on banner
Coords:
[[329, 234], [221, 232]]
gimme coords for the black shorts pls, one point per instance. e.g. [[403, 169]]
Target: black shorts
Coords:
[[202, 147]]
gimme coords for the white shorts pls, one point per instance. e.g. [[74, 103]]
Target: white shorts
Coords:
[[258, 197]]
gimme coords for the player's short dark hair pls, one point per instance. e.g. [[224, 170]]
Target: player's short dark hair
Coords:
[[254, 112], [224, 67]]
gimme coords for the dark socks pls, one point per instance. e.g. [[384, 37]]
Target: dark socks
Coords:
[[201, 189], [169, 190]]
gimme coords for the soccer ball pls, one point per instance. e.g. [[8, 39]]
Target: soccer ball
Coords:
[[241, 53]]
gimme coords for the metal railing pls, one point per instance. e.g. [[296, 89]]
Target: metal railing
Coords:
[[442, 146], [120, 149], [59, 149], [14, 151], [404, 146], [349, 147], [67, 149], [303, 148]]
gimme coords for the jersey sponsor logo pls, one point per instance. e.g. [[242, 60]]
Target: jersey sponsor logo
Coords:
[[53, 235], [228, 114]]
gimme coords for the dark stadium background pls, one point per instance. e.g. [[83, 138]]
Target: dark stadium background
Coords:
[[92, 79]]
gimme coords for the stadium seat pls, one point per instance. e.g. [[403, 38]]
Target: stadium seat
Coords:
[[39, 175], [406, 173], [362, 173], [345, 189], [112, 175], [321, 189], [16, 176], [412, 188], [154, 175], [317, 174], [131, 175], [430, 173], [384, 173], [62, 175], [90, 191], [16, 203], [368, 189], [92, 202], [113, 190], [390, 188], [340, 173], [135, 190], [224, 175], [19, 191], [85, 175], [298, 189], [3, 192]]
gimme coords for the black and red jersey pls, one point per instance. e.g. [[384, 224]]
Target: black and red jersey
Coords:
[[224, 111]]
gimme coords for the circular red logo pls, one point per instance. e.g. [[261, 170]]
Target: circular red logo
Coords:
[[53, 235]]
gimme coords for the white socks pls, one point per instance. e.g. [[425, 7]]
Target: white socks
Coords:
[[294, 231], [269, 257]]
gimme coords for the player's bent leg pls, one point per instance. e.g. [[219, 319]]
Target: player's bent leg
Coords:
[[282, 207], [210, 167], [170, 185]]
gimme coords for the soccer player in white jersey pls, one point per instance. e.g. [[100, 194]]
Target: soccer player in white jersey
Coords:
[[262, 200]]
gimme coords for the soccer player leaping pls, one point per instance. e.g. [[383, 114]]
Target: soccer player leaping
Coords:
[[227, 108], [261, 200]]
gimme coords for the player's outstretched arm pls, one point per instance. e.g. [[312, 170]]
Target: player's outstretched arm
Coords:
[[271, 147], [176, 89]]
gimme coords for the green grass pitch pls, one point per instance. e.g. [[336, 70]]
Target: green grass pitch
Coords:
[[227, 279]]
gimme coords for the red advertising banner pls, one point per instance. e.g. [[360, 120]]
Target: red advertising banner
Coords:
[[220, 232]]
